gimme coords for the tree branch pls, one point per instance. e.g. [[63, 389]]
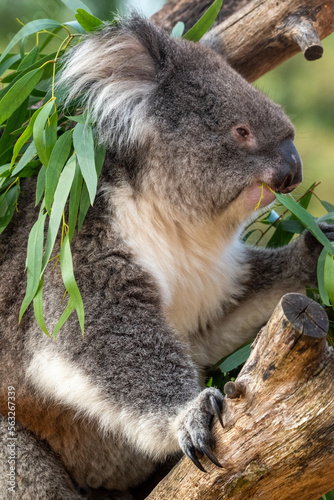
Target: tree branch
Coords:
[[256, 36], [278, 440]]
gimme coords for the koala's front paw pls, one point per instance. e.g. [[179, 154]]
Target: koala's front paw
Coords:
[[313, 245], [194, 426], [309, 251]]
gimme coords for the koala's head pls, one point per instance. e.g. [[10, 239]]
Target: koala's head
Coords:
[[180, 121]]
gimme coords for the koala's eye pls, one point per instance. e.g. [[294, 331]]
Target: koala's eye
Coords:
[[243, 135], [243, 131]]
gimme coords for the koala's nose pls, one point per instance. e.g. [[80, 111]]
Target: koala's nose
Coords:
[[290, 174]]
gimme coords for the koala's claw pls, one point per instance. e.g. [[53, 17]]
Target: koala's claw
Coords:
[[209, 453], [194, 426], [217, 406], [191, 453]]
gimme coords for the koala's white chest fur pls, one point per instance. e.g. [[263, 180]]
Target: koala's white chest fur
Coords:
[[197, 266]]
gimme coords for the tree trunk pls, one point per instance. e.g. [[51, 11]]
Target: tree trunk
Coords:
[[256, 36], [278, 437]]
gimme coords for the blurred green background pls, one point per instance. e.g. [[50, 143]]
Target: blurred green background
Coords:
[[304, 89]]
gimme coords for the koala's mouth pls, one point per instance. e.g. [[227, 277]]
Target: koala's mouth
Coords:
[[260, 194]]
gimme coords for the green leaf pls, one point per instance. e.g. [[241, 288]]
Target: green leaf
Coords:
[[29, 59], [326, 217], [34, 261], [84, 206], [84, 147], [38, 132], [38, 307], [29, 29], [38, 64], [8, 62], [328, 206], [4, 170], [66, 266], [40, 185], [79, 118], [14, 121], [24, 137], [329, 277], [292, 226], [204, 23], [74, 5], [51, 133], [7, 207], [321, 277], [64, 317], [74, 201], [18, 93], [100, 154], [87, 21], [76, 26], [178, 30], [306, 219], [27, 156], [60, 198], [57, 160], [236, 359]]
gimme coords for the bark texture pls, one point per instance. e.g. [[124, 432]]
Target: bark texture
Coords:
[[256, 36], [278, 435]]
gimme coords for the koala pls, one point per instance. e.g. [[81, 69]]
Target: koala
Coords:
[[168, 286]]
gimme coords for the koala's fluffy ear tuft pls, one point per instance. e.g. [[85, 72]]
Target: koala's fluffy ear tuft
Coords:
[[114, 72]]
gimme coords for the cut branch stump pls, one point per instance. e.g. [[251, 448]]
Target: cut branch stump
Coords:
[[278, 435]]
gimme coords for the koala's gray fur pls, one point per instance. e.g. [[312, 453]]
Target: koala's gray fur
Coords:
[[168, 288]]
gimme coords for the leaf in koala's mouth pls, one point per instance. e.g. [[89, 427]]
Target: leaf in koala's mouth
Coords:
[[259, 195]]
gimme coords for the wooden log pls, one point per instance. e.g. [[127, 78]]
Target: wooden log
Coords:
[[258, 35], [278, 439]]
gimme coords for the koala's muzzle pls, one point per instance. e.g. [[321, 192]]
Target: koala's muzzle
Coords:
[[290, 172]]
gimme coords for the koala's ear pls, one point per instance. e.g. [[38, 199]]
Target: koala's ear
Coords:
[[115, 73]]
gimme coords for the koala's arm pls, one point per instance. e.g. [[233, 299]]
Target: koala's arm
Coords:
[[294, 265], [268, 274], [130, 372]]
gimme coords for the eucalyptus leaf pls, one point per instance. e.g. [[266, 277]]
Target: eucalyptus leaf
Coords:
[[38, 307], [64, 317], [329, 277], [7, 207], [84, 206], [66, 266], [87, 21], [38, 132], [24, 137], [27, 156], [40, 188], [84, 147], [57, 160], [328, 206], [29, 59], [321, 277], [204, 23], [236, 359], [306, 219], [51, 133], [34, 262], [75, 196], [8, 62], [29, 29], [18, 93], [60, 198]]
